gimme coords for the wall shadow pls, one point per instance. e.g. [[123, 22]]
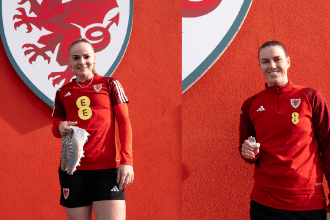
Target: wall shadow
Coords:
[[20, 107]]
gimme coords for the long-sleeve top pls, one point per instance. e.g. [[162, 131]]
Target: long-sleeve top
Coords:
[[291, 123], [95, 105]]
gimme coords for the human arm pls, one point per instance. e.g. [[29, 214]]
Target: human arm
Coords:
[[125, 175], [246, 129], [60, 127], [321, 124], [125, 171], [125, 133], [55, 127], [119, 100], [248, 151], [58, 114]]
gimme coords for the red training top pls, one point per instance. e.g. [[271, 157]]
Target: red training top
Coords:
[[291, 123], [94, 107]]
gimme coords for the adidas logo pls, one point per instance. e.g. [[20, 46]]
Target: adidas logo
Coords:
[[67, 94], [115, 188], [261, 108]]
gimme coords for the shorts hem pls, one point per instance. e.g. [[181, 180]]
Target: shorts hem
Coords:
[[98, 200], [75, 206]]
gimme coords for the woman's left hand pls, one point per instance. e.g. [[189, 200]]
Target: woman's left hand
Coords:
[[125, 175], [328, 215]]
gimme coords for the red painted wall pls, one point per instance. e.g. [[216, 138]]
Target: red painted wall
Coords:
[[216, 182], [150, 74]]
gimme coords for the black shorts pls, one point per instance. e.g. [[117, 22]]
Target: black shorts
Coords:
[[86, 186], [261, 212]]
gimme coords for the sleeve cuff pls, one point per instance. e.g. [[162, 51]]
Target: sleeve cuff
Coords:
[[127, 162], [55, 129]]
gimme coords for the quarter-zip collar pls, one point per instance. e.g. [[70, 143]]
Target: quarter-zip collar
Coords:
[[278, 88]]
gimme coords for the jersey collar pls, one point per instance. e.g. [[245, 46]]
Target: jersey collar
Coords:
[[278, 88]]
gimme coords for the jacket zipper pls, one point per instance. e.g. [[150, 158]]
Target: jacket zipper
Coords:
[[278, 101]]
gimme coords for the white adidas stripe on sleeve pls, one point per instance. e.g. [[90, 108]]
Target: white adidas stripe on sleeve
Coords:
[[122, 96]]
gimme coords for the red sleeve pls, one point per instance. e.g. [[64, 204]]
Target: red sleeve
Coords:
[[58, 108], [117, 94], [246, 128], [56, 124], [125, 133], [321, 123], [58, 114]]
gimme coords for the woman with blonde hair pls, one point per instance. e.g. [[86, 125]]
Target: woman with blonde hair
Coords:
[[93, 102]]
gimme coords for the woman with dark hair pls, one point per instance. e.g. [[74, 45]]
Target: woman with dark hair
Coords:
[[284, 132], [93, 102]]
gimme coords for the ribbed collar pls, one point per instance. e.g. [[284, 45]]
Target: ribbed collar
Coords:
[[278, 88]]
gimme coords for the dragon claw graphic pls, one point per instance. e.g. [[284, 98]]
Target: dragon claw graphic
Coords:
[[62, 76], [22, 2], [24, 19], [37, 52]]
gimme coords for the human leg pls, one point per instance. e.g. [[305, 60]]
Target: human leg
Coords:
[[110, 209], [75, 195], [108, 199], [80, 213]]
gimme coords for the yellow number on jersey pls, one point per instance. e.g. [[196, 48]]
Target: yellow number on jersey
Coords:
[[295, 118], [83, 103]]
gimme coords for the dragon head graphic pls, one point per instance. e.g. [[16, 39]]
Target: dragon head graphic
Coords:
[[65, 23]]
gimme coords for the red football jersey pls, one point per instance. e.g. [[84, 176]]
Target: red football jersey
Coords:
[[92, 106], [291, 123]]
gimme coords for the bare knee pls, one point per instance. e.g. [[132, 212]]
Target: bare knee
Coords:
[[80, 213], [110, 209]]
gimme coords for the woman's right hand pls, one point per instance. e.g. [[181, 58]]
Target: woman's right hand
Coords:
[[248, 151], [65, 127]]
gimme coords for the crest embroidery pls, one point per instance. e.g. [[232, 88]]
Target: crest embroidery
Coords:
[[98, 87], [66, 192], [295, 102]]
